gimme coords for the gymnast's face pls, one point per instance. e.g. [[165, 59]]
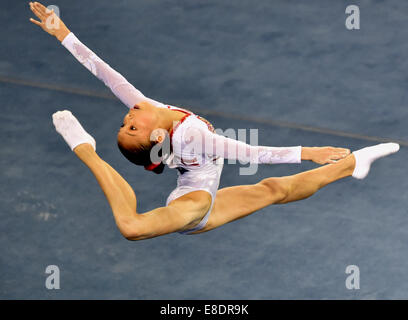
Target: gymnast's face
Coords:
[[137, 127]]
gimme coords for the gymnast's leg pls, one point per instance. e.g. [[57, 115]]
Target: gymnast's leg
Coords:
[[183, 213], [236, 202], [119, 193]]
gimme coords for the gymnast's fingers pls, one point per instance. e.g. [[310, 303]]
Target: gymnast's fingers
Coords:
[[345, 151], [45, 11], [340, 153], [341, 150], [37, 13], [337, 156], [38, 23], [39, 4]]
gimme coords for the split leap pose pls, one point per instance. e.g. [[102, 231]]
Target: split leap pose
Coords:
[[196, 205]]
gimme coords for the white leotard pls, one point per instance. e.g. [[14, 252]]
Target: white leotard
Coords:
[[196, 170], [197, 152]]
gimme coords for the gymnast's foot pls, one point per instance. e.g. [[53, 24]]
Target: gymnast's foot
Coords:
[[71, 130], [366, 156]]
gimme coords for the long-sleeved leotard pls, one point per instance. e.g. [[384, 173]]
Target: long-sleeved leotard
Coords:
[[207, 141], [122, 89]]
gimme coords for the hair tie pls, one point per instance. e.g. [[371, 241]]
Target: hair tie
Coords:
[[152, 166]]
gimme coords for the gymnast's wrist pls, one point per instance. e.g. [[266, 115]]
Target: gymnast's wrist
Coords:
[[307, 153], [62, 33]]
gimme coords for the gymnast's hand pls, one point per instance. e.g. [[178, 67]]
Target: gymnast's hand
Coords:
[[324, 155], [49, 21]]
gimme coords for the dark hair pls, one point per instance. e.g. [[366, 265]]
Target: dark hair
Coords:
[[141, 156]]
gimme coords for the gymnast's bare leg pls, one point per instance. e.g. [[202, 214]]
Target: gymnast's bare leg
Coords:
[[236, 202], [230, 204]]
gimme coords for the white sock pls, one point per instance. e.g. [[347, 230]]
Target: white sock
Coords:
[[71, 130], [366, 156]]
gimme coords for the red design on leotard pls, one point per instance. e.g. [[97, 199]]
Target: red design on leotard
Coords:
[[187, 114]]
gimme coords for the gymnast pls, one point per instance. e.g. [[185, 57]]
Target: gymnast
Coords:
[[155, 135]]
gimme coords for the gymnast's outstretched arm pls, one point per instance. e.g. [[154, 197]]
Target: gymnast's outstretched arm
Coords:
[[200, 140], [130, 96], [122, 89]]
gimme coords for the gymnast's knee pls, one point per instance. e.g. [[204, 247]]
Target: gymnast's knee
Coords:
[[277, 188], [131, 231]]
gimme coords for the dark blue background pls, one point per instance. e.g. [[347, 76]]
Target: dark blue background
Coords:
[[245, 64]]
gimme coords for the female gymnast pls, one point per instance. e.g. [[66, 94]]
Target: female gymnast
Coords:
[[196, 205]]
